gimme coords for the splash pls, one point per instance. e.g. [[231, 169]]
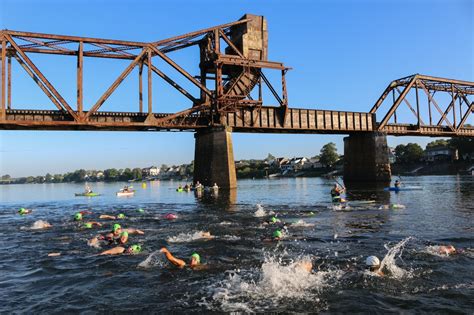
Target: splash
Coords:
[[189, 237], [301, 223], [388, 262], [225, 223], [153, 260], [231, 238], [40, 224], [270, 286], [260, 212]]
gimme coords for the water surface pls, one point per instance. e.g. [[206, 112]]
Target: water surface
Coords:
[[245, 273]]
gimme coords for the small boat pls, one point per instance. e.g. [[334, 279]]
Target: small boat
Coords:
[[403, 188], [125, 192], [87, 194]]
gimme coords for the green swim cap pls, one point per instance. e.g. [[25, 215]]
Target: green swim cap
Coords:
[[22, 211], [121, 216], [135, 248], [124, 233], [78, 216], [116, 227], [141, 210], [277, 234], [88, 225], [196, 257], [275, 220]]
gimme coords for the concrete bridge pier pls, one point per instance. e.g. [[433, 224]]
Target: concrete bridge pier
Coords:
[[214, 158], [366, 158]]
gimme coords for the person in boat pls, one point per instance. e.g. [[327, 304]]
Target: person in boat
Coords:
[[132, 250], [180, 188], [23, 211], [374, 265], [336, 192], [397, 184], [194, 262], [88, 190]]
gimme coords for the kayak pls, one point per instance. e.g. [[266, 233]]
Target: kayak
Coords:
[[403, 188], [93, 194], [179, 189], [125, 193], [360, 202]]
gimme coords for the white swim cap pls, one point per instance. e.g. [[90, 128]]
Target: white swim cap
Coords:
[[372, 261]]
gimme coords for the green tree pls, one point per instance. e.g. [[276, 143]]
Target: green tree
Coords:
[[410, 153], [6, 177], [48, 178], [126, 174], [111, 174], [137, 173], [30, 179], [58, 178], [329, 154], [270, 157], [463, 145], [439, 142]]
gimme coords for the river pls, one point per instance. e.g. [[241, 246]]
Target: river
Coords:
[[244, 273]]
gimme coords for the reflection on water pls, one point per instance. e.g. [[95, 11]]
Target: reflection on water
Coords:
[[245, 271]]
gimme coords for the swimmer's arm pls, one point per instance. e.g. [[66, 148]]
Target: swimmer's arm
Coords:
[[175, 261], [106, 216], [95, 223], [114, 251], [135, 231]]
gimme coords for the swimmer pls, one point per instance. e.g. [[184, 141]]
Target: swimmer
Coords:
[[91, 224], [40, 224], [276, 236], [274, 220], [117, 235], [121, 216], [171, 216], [194, 262], [78, 216], [305, 265], [373, 263], [23, 211], [134, 249], [447, 250]]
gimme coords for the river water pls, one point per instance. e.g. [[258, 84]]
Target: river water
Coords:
[[244, 272]]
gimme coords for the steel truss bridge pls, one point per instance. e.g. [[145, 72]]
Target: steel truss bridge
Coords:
[[233, 62]]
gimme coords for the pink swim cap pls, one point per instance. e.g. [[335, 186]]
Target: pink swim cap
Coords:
[[171, 216]]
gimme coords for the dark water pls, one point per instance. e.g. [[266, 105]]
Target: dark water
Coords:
[[244, 274]]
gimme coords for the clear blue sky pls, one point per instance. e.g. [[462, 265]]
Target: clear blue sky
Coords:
[[343, 55]]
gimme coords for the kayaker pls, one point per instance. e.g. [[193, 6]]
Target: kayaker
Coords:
[[397, 184], [134, 249], [88, 190], [373, 263], [24, 211], [194, 262], [336, 192]]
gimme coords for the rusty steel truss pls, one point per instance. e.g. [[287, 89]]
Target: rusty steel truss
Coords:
[[233, 58], [439, 119]]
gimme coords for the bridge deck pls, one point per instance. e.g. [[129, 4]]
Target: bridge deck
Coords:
[[258, 120]]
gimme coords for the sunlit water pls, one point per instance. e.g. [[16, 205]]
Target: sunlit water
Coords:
[[245, 273]]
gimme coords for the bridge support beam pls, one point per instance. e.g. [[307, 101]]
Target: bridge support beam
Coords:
[[214, 158], [366, 158]]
